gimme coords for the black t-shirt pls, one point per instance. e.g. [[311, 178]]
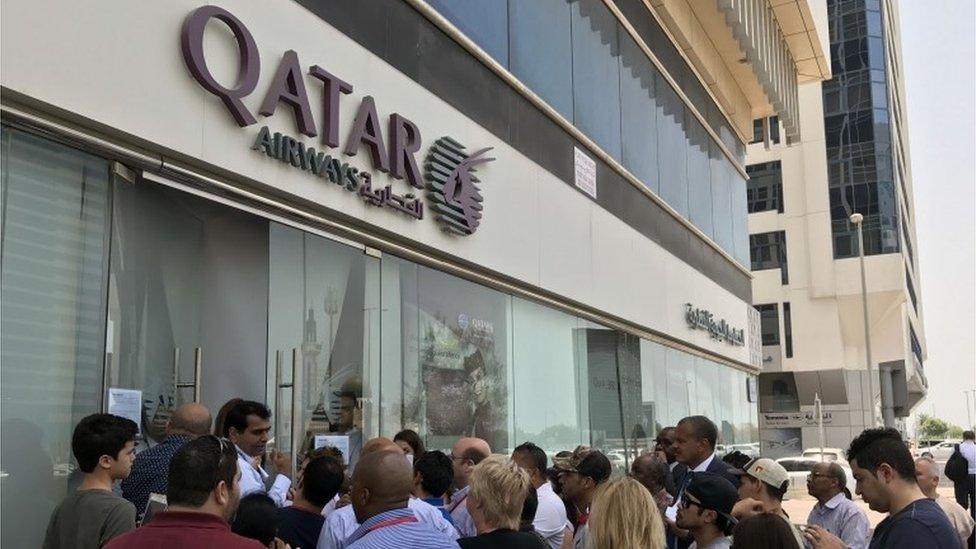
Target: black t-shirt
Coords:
[[299, 528], [920, 524], [503, 539]]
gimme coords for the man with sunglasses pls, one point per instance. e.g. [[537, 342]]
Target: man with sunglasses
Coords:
[[834, 511], [203, 493], [706, 511]]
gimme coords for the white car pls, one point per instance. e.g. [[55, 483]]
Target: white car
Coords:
[[940, 451], [829, 454], [751, 450], [799, 467]]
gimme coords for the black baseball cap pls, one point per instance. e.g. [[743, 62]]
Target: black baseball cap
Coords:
[[713, 492], [586, 462]]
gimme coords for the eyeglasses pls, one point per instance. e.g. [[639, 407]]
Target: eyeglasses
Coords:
[[812, 475], [687, 502], [227, 450]]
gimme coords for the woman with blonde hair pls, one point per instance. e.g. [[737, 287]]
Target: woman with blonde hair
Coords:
[[498, 490], [624, 516]]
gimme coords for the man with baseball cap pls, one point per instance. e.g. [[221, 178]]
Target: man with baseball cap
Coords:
[[706, 511], [763, 485], [580, 477]]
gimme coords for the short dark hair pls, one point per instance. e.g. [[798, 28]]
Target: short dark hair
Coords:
[[539, 459], [882, 445], [322, 477], [764, 530], [436, 472], [237, 415], [968, 435], [776, 492], [412, 439], [197, 468], [256, 518], [100, 435], [703, 428], [529, 508]]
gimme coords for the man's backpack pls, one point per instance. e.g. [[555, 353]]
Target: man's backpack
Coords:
[[957, 468]]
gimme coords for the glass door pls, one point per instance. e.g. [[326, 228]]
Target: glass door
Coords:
[[323, 342], [183, 321]]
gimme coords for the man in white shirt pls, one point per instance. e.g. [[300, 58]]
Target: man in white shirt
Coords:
[[466, 453], [341, 523], [968, 450], [248, 425], [550, 516], [927, 475]]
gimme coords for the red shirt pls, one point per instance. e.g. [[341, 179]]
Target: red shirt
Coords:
[[185, 530]]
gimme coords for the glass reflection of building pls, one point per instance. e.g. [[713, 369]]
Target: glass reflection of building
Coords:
[[862, 166]]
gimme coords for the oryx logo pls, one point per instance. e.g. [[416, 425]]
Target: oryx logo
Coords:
[[451, 188]]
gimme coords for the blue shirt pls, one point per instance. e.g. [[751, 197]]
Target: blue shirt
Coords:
[[921, 523], [150, 471], [299, 528], [844, 519], [377, 532], [439, 504]]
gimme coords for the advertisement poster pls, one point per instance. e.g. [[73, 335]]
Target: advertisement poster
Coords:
[[466, 381]]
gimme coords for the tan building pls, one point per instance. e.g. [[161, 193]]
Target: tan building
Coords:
[[852, 158]]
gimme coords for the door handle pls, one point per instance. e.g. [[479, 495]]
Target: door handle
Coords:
[[197, 371], [297, 429]]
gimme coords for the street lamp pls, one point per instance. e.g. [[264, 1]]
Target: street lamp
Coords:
[[887, 413]]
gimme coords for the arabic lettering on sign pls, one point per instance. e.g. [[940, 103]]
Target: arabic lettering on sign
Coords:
[[291, 151], [701, 319], [795, 419]]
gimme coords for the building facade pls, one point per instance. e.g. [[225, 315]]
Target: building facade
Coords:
[[852, 158], [513, 220]]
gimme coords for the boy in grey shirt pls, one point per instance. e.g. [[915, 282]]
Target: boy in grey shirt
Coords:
[[104, 446]]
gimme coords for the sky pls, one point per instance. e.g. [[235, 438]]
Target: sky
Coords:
[[938, 40]]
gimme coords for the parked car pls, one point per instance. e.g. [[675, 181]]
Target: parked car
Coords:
[[751, 450], [799, 467], [940, 451], [829, 454]]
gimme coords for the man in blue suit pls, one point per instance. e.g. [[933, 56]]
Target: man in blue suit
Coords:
[[694, 447]]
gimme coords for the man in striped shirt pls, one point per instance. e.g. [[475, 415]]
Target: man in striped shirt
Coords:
[[381, 486]]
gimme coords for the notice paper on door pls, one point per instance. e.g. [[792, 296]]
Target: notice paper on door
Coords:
[[126, 403], [337, 441]]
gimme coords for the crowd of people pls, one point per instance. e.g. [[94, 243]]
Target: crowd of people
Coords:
[[207, 486]]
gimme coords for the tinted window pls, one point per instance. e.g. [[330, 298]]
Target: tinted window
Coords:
[[596, 80], [541, 50], [637, 100]]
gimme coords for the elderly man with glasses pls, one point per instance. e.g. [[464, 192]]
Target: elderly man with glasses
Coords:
[[834, 511]]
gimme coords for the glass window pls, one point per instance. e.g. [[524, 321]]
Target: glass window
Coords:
[[740, 220], [55, 204], [546, 346], [764, 189], [638, 102], [788, 329], [611, 358], [721, 186], [671, 147], [541, 50], [769, 321], [777, 392], [451, 376], [596, 74], [768, 251], [699, 176], [485, 22], [681, 385]]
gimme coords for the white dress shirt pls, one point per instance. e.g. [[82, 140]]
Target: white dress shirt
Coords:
[[341, 523], [253, 480], [550, 517], [672, 512], [968, 450], [459, 513]]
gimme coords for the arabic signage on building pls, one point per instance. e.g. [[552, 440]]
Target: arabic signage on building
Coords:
[[448, 179], [701, 319], [794, 419]]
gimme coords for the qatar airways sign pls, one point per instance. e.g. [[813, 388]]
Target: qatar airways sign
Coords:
[[447, 178]]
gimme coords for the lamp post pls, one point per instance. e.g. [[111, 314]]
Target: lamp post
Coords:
[[887, 412]]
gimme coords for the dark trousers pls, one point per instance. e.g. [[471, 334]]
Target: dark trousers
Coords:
[[966, 494]]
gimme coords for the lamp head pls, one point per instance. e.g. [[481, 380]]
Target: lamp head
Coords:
[[856, 218]]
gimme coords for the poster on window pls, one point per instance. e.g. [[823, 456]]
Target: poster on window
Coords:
[[466, 386]]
